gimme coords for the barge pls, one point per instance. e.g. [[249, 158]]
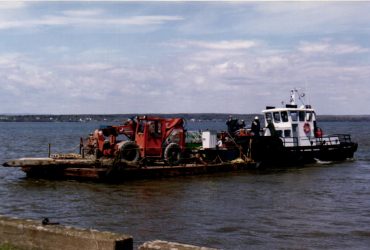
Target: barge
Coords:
[[141, 147], [108, 170], [146, 147]]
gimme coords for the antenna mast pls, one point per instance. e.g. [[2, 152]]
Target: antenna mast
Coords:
[[292, 96], [293, 93]]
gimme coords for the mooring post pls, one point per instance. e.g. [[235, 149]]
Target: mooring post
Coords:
[[82, 151], [49, 150]]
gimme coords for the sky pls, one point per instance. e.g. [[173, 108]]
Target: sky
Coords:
[[61, 57]]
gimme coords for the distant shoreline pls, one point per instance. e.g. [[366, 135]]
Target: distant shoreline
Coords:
[[188, 117]]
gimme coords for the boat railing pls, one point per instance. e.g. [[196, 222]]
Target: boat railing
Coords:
[[325, 140], [334, 139], [289, 141], [343, 138]]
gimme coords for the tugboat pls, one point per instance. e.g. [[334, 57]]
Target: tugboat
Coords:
[[292, 137]]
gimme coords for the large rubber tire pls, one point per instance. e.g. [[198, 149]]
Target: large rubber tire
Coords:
[[209, 156], [172, 154], [129, 152]]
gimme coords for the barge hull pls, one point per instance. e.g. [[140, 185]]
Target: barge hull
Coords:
[[108, 170]]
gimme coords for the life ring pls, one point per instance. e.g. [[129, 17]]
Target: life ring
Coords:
[[307, 128]]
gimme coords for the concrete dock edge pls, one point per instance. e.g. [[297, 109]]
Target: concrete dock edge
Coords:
[[30, 234]]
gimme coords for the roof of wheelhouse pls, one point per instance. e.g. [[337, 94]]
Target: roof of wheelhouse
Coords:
[[292, 106]]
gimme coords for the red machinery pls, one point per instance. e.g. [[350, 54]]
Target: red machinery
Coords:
[[148, 138]]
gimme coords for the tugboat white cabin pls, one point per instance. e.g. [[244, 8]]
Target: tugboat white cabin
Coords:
[[296, 126]]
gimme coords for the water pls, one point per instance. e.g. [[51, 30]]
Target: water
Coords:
[[315, 207]]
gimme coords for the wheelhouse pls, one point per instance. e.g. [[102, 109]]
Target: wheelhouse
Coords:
[[292, 122], [296, 126]]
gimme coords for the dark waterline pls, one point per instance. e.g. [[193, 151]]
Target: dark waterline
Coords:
[[320, 206]]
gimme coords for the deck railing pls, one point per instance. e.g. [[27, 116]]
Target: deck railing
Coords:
[[334, 139]]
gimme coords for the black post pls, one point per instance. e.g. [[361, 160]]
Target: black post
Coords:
[[82, 151]]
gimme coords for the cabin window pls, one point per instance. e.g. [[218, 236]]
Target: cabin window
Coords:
[[287, 133], [155, 128], [158, 127], [276, 116], [141, 126], [309, 116], [301, 115], [293, 114], [279, 133], [284, 116], [268, 116], [151, 127]]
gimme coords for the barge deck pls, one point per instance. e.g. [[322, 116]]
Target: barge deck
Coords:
[[111, 170]]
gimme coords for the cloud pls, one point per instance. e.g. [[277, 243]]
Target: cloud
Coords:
[[222, 57], [245, 81], [330, 48], [91, 18], [87, 67], [245, 76], [83, 13], [144, 20], [31, 23], [11, 5], [218, 45], [303, 18], [314, 47]]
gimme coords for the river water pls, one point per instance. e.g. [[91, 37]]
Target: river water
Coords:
[[313, 207]]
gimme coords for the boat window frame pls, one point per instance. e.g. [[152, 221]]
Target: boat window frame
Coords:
[[287, 133], [301, 118], [276, 119], [295, 116], [313, 116], [309, 115], [284, 118], [268, 116], [279, 133]]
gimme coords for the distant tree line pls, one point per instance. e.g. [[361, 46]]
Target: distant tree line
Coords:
[[187, 116], [111, 117]]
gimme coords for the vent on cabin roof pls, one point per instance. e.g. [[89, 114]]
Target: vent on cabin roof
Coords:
[[291, 106]]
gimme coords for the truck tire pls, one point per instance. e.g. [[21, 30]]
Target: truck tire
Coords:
[[172, 154], [129, 152], [209, 155]]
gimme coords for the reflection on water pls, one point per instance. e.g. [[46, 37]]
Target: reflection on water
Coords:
[[321, 206]]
